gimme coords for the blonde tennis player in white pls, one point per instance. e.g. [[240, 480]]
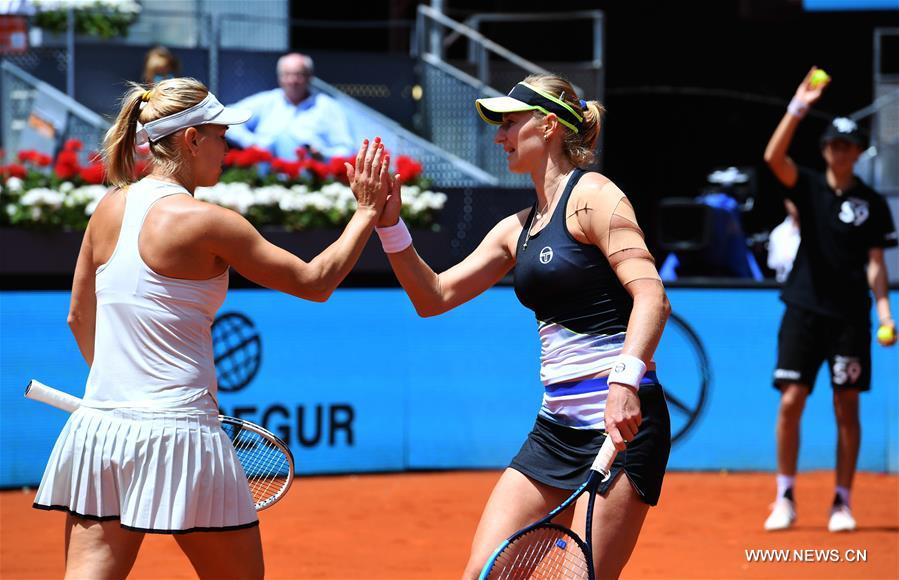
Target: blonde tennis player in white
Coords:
[[145, 454]]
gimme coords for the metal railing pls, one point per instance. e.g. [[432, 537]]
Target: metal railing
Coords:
[[442, 167], [884, 114], [18, 93], [451, 87]]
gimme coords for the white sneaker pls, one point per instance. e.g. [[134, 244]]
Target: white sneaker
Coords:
[[841, 519], [783, 514]]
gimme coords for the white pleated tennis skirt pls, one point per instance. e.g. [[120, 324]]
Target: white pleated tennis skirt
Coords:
[[160, 471]]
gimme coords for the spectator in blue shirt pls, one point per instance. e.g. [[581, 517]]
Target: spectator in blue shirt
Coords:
[[292, 116]]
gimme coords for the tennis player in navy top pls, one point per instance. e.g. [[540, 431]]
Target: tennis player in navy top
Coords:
[[581, 264]]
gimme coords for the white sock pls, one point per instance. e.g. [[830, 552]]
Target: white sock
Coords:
[[843, 492], [784, 482]]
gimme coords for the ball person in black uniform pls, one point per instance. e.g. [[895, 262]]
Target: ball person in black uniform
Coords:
[[845, 226], [581, 264]]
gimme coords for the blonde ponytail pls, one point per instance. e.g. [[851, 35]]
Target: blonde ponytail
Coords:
[[118, 146]]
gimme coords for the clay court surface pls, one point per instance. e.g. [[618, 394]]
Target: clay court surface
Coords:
[[419, 525]]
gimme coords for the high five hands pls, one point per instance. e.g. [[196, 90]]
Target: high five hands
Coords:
[[372, 185]]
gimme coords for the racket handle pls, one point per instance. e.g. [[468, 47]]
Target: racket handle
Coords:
[[605, 457], [38, 391]]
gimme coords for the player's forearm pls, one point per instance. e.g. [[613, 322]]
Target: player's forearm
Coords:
[[878, 281], [648, 317], [83, 329], [336, 261], [420, 282], [779, 144]]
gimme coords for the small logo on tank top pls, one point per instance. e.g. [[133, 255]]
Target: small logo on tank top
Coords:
[[546, 255]]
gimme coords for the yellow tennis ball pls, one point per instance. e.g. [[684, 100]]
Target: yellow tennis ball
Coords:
[[886, 334], [819, 77]]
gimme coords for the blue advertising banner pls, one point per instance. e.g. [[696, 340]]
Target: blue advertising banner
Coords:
[[361, 383], [833, 5]]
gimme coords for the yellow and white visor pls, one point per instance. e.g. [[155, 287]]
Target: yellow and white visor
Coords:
[[524, 97]]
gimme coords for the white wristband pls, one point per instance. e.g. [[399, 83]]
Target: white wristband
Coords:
[[395, 238], [627, 370], [797, 108]]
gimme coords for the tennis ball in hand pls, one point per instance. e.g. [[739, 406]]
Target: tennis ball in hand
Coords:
[[886, 335], [819, 77]]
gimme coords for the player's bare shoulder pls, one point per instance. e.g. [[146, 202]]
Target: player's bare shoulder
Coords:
[[596, 188]]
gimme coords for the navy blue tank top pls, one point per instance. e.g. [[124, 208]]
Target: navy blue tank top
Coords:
[[567, 283]]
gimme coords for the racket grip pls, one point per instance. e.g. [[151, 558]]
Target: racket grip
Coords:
[[605, 457], [38, 391]]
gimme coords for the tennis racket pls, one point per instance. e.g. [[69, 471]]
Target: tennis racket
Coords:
[[265, 458], [548, 550]]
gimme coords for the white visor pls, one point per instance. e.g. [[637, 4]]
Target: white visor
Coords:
[[209, 111]]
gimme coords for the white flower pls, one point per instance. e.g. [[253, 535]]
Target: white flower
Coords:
[[85, 195], [269, 195], [433, 201], [319, 201], [42, 196], [128, 6], [294, 201], [236, 196], [14, 184], [333, 198]]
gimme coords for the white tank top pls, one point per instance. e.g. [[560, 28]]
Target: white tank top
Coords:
[[153, 342]]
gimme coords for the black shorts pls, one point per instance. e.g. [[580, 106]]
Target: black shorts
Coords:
[[806, 339], [561, 456]]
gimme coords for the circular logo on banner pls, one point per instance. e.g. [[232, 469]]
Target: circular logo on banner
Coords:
[[681, 354], [546, 255], [238, 351]]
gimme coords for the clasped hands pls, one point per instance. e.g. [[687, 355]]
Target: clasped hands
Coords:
[[375, 189]]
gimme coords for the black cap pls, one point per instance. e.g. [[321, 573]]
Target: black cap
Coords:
[[844, 129]]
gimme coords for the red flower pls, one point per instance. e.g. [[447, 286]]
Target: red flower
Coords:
[[66, 165], [251, 156], [289, 168], [93, 174], [73, 145], [408, 168], [261, 155], [231, 157], [41, 160], [245, 158], [318, 168], [27, 155], [337, 168], [13, 170]]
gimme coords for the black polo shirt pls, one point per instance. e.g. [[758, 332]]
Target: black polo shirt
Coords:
[[829, 274]]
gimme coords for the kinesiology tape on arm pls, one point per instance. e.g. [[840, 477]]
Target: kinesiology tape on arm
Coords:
[[625, 246]]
